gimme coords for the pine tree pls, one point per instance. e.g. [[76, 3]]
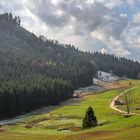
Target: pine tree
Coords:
[[90, 119]]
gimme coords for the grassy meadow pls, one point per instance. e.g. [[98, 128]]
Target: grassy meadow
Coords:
[[135, 101], [65, 123]]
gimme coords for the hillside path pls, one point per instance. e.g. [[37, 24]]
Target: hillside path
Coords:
[[113, 106]]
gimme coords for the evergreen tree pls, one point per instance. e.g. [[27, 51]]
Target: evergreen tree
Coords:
[[90, 119]]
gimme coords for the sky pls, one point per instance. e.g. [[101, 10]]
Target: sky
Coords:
[[108, 26]]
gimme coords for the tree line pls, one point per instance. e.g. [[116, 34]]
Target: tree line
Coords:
[[118, 65], [18, 97], [10, 18]]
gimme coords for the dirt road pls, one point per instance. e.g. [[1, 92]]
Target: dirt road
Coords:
[[113, 106]]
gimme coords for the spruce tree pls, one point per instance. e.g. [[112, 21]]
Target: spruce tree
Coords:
[[90, 119]]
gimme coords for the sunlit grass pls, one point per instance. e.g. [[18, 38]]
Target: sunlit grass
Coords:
[[70, 117], [135, 101]]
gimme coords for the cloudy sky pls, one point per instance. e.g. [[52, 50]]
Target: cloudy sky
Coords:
[[109, 26]]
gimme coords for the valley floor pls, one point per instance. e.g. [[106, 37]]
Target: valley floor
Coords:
[[64, 123]]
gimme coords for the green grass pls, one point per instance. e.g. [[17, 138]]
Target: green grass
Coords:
[[135, 101], [46, 126]]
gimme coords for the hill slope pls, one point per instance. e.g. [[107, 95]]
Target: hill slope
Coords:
[[37, 71], [40, 56]]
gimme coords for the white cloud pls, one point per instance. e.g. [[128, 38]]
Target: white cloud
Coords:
[[113, 4], [117, 47], [90, 24], [98, 34], [131, 2], [136, 18]]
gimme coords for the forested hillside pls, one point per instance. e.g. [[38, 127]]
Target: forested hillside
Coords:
[[36, 71]]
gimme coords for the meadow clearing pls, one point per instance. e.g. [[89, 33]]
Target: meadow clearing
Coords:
[[65, 123]]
